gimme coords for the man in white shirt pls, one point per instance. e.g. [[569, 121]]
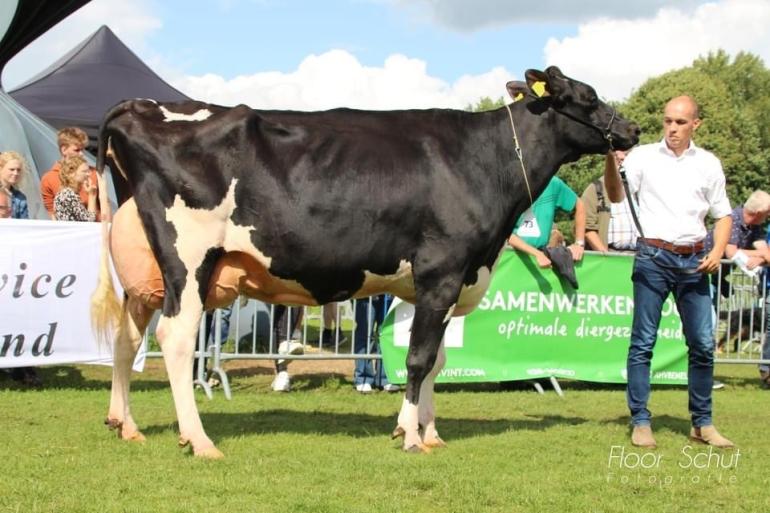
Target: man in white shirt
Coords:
[[676, 184]]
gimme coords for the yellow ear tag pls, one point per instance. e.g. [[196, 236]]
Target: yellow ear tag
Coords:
[[538, 88], [518, 97]]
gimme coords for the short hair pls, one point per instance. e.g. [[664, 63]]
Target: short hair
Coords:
[[758, 201], [7, 156], [67, 171], [71, 135]]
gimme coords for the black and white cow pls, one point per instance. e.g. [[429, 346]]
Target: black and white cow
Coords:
[[315, 207]]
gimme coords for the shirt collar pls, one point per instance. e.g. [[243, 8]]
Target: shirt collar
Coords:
[[689, 152]]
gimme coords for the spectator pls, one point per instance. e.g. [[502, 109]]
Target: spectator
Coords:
[[609, 226], [676, 184], [72, 141], [370, 374], [13, 205], [283, 330], [74, 175], [746, 238], [12, 170], [746, 246], [533, 229]]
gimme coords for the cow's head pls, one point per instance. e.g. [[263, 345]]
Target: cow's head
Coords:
[[591, 123]]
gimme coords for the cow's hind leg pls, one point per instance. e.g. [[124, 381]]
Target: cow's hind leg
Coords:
[[177, 336], [128, 338], [426, 412]]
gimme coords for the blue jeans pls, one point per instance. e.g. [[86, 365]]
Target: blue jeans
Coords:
[[657, 273], [366, 340], [766, 346]]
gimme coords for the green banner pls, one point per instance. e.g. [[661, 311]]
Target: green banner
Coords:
[[531, 324]]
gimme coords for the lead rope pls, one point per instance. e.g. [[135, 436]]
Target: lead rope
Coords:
[[517, 147]]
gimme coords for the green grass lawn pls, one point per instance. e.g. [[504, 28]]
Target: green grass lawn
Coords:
[[325, 448]]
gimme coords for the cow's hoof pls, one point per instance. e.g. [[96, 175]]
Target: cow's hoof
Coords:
[[112, 423], [397, 433], [136, 436], [417, 449], [434, 443], [212, 453], [183, 442]]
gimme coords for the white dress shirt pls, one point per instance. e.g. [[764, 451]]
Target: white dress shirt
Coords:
[[675, 193]]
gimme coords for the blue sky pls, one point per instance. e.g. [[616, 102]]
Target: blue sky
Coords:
[[385, 54]]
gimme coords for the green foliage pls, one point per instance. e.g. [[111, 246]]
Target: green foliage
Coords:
[[486, 103]]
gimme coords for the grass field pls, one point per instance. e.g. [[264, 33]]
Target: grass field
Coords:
[[325, 448]]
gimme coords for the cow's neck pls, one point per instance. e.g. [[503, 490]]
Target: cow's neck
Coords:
[[543, 152]]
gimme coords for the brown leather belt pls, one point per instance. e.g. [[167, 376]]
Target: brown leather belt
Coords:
[[679, 249]]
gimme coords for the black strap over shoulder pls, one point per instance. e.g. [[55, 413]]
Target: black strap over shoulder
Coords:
[[601, 205]]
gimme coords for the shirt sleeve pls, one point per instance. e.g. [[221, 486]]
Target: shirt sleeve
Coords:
[[591, 202], [717, 195], [632, 167], [565, 197], [47, 192]]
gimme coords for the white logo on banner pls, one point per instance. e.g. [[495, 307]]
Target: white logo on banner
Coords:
[[402, 326], [48, 271]]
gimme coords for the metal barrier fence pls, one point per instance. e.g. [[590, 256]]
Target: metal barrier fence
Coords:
[[740, 311]]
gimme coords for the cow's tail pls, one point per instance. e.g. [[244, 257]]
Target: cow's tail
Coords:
[[104, 131], [106, 308]]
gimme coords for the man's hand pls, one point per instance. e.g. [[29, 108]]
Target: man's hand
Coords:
[[577, 252], [542, 261], [710, 263]]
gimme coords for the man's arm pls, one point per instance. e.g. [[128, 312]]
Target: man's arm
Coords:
[[580, 231], [612, 181], [518, 244], [710, 262], [756, 257], [595, 242]]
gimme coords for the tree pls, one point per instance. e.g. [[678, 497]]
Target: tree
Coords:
[[486, 103]]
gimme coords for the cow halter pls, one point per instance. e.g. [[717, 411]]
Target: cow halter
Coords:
[[606, 132], [517, 147]]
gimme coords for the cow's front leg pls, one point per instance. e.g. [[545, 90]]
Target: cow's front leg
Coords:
[[426, 412], [427, 331], [128, 338]]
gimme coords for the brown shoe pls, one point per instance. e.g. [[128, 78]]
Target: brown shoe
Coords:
[[641, 436], [710, 436]]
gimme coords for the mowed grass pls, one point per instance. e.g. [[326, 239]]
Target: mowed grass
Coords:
[[325, 448]]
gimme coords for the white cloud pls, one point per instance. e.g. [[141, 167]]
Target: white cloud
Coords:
[[131, 22], [337, 79], [618, 55], [466, 16]]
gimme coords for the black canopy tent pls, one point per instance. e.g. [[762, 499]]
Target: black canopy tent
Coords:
[[79, 88]]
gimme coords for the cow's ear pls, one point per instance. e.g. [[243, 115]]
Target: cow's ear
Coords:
[[538, 82], [517, 89], [557, 82]]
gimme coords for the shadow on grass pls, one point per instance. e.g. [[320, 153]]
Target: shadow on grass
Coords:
[[64, 377], [356, 425], [660, 423]]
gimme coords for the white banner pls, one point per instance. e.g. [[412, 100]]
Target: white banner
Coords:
[[48, 271]]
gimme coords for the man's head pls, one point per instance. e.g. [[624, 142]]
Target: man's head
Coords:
[[681, 118], [72, 141], [5, 205], [756, 208]]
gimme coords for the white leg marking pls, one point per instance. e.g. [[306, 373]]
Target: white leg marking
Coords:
[[127, 342], [407, 420], [426, 409]]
